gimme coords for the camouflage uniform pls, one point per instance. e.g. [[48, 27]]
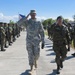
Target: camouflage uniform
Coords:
[[13, 32], [73, 36], [2, 36], [34, 29], [61, 38], [48, 30], [6, 32], [9, 34]]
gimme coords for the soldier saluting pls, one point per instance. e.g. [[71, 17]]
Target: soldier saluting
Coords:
[[61, 38], [35, 34]]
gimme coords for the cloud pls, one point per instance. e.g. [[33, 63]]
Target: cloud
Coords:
[[4, 18]]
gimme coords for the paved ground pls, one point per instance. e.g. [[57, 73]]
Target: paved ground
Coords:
[[14, 61]]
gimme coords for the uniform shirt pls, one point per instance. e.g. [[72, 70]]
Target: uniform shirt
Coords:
[[60, 35], [35, 32]]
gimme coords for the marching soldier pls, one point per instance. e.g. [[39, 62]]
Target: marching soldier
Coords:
[[6, 33], [73, 39], [2, 36], [48, 30], [13, 32], [61, 38], [10, 34], [34, 29]]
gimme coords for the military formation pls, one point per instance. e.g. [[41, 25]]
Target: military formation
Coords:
[[8, 34], [60, 33]]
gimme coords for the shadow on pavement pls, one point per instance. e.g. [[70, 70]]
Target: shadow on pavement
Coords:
[[50, 49], [48, 46], [50, 54], [69, 57], [25, 73], [53, 61], [53, 73]]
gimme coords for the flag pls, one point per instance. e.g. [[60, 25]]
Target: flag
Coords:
[[21, 16]]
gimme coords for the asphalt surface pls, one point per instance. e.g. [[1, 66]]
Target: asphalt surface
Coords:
[[14, 61]]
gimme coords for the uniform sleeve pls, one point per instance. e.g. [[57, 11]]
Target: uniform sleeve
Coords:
[[41, 32], [23, 22], [68, 36]]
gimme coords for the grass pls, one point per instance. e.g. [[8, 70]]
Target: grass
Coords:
[[46, 33]]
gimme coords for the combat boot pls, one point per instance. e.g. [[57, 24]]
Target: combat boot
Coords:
[[61, 64], [58, 68], [6, 46], [35, 64], [3, 50], [73, 54]]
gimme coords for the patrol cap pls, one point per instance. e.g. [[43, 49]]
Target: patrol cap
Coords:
[[32, 12], [59, 17]]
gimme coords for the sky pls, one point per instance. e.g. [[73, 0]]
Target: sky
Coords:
[[9, 9]]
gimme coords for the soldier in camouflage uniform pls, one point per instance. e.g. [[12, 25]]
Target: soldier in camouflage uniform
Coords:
[[48, 30], [9, 34], [73, 39], [35, 34], [6, 33], [13, 32], [17, 30], [61, 38], [2, 36]]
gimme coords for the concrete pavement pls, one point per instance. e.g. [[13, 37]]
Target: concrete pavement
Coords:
[[14, 61]]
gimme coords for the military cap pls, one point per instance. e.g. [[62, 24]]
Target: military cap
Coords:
[[59, 17], [32, 12]]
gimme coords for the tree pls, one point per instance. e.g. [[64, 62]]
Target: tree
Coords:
[[74, 17], [66, 20], [11, 22]]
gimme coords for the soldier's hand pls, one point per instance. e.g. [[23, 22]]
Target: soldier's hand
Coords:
[[42, 46]]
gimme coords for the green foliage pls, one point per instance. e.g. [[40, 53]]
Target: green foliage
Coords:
[[48, 21], [66, 20], [11, 22]]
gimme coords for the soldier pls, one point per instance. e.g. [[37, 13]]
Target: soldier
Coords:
[[34, 29], [6, 33], [17, 30], [73, 39], [48, 30], [2, 36], [9, 34], [61, 38], [13, 32]]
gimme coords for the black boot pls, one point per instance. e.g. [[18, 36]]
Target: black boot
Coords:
[[6, 46], [61, 63], [3, 50], [73, 54], [58, 68]]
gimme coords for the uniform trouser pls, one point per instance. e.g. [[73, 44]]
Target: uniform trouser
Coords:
[[33, 52], [9, 40], [61, 52], [6, 39], [14, 37], [74, 42], [2, 44]]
